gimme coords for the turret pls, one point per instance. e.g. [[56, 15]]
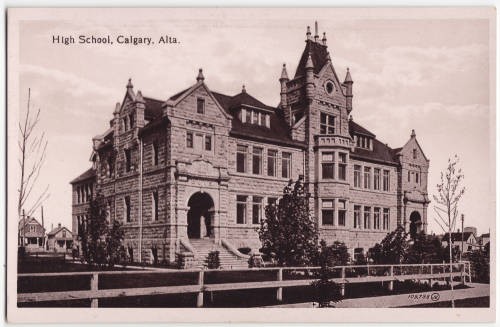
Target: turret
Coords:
[[316, 36], [348, 83], [309, 78], [283, 80], [140, 107]]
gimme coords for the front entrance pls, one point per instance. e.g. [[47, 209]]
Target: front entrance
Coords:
[[415, 224], [200, 216]]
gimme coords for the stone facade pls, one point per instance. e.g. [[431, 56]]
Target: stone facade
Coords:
[[204, 164]]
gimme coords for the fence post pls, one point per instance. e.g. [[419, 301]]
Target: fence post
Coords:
[[279, 291], [430, 280], [94, 286], [342, 286], [391, 282], [199, 299]]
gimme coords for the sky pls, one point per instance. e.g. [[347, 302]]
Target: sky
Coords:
[[430, 75]]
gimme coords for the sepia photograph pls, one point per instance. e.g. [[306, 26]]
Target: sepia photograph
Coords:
[[196, 165]]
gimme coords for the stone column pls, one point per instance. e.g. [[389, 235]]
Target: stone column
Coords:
[[181, 213]]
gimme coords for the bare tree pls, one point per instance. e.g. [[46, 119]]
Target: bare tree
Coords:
[[449, 193], [33, 148]]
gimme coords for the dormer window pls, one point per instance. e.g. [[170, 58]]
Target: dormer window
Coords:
[[255, 117], [327, 124], [363, 142]]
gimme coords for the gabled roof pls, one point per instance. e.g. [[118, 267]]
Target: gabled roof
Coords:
[[90, 173], [58, 229], [244, 98], [457, 236], [318, 53], [27, 221]]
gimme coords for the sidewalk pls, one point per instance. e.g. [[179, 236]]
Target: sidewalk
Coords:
[[401, 300]]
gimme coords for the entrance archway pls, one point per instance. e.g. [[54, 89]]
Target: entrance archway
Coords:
[[415, 224], [200, 215]]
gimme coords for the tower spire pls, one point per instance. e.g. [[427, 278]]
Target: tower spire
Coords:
[[308, 34], [309, 62], [324, 38], [284, 74]]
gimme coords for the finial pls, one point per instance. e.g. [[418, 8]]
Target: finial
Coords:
[[316, 36], [284, 74], [348, 78], [309, 63], [350, 117], [129, 84], [200, 77], [138, 97], [308, 33], [324, 38], [413, 133], [243, 89]]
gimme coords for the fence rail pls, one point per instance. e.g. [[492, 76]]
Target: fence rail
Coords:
[[294, 276]]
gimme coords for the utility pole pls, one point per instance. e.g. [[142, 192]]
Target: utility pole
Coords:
[[462, 251], [43, 227]]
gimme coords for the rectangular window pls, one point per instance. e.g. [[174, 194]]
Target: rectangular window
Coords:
[[241, 209], [414, 153], [127, 209], [341, 212], [131, 120], [342, 166], [256, 210], [385, 221], [367, 177], [108, 212], [357, 216], [416, 178], [208, 143], [241, 158], [200, 106], [249, 116], [327, 124], [272, 201], [327, 212], [243, 115], [376, 218], [376, 178], [110, 166], [286, 164], [409, 176], [385, 182], [261, 119], [125, 124], [257, 161], [189, 140], [272, 156], [128, 164], [154, 206], [268, 121], [156, 155], [327, 165], [255, 117], [366, 220], [357, 176]]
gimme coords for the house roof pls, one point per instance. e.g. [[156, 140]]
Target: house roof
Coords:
[[88, 174], [58, 229], [380, 153], [318, 53], [457, 236], [26, 221], [485, 235]]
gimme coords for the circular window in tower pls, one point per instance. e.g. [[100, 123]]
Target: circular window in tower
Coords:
[[330, 87]]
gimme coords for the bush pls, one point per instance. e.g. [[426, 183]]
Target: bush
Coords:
[[325, 290], [255, 261], [213, 261]]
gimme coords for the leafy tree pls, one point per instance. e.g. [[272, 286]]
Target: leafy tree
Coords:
[[212, 261], [335, 254], [392, 249], [425, 249], [288, 232], [326, 290], [480, 264], [101, 243]]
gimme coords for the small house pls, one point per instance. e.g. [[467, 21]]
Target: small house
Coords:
[[31, 234], [60, 239]]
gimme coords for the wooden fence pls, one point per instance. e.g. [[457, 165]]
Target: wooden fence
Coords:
[[285, 277]]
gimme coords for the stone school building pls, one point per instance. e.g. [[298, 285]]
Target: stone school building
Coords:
[[194, 172]]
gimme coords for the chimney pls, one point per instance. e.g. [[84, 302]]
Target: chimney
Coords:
[[316, 36]]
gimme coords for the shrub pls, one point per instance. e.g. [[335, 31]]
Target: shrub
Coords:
[[212, 261], [255, 261]]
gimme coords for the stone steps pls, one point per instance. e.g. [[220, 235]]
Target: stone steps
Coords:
[[227, 260]]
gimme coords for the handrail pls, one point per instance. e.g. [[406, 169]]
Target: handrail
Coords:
[[233, 250], [176, 271]]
